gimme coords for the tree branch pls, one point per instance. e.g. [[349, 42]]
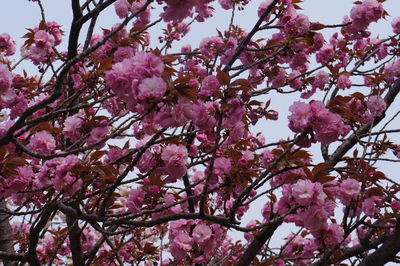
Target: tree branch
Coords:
[[387, 252], [257, 243], [6, 247], [352, 140], [246, 40]]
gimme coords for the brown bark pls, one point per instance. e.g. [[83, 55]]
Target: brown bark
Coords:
[[5, 234]]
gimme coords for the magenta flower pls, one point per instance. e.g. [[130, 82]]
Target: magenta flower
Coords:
[[42, 142]]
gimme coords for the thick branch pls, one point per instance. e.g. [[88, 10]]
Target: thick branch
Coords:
[[75, 29], [257, 243], [387, 252], [6, 247], [74, 234], [352, 140], [34, 233], [244, 43]]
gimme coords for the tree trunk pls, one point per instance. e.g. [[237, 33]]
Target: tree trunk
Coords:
[[5, 234]]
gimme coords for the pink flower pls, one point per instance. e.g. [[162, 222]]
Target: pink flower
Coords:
[[315, 217], [348, 190], [327, 126], [395, 205], [147, 64], [267, 157], [230, 48], [369, 207], [334, 234], [209, 86], [135, 200], [295, 81], [294, 246], [226, 4], [350, 187], [396, 25], [43, 39], [301, 116], [180, 245], [303, 192], [325, 54], [376, 105], [280, 79], [210, 45], [362, 15], [177, 10], [122, 8], [201, 233], [7, 45], [56, 173], [266, 211], [321, 79], [5, 78], [72, 125], [298, 24], [174, 154], [152, 88], [98, 133], [19, 182], [247, 156], [249, 235], [174, 157], [42, 142], [344, 81], [37, 55], [55, 30], [123, 52], [222, 166], [299, 62]]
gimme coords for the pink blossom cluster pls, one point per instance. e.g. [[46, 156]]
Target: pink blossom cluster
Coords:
[[42, 142], [58, 174], [5, 78], [124, 7], [348, 190], [396, 25], [298, 246], [209, 86], [98, 133], [135, 200], [211, 46], [327, 126], [392, 71], [363, 14], [314, 213], [176, 10], [320, 80], [174, 158], [294, 23], [43, 41], [367, 110], [183, 239], [376, 105], [325, 54], [138, 80], [7, 44], [17, 183], [72, 126]]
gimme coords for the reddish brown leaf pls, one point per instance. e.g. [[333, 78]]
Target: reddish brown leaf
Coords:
[[223, 77]]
